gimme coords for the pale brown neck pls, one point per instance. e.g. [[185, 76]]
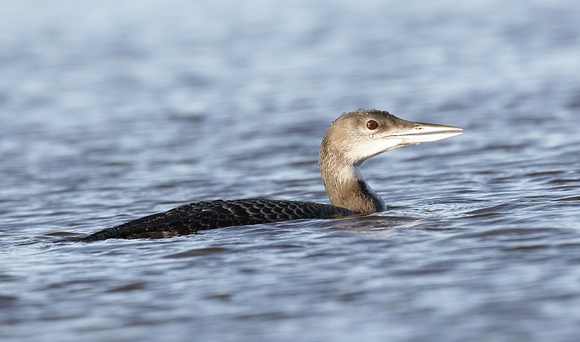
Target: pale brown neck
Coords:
[[345, 185]]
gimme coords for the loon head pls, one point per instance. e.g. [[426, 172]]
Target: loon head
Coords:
[[358, 136]]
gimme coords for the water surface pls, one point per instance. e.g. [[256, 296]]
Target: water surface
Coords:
[[109, 112]]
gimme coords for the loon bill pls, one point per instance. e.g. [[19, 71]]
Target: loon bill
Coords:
[[349, 141]]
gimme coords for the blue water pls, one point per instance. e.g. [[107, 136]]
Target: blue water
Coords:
[[110, 111]]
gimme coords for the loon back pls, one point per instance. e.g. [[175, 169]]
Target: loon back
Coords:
[[191, 218]]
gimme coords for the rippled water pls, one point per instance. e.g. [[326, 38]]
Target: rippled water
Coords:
[[111, 111]]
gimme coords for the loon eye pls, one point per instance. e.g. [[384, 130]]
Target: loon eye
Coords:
[[372, 124]]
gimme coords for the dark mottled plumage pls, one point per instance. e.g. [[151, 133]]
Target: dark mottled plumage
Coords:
[[194, 217]]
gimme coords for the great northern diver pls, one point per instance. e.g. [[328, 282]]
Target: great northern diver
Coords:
[[349, 141]]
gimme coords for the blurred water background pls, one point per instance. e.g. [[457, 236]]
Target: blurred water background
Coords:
[[113, 110]]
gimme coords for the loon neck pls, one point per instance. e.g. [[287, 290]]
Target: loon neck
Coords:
[[345, 185]]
